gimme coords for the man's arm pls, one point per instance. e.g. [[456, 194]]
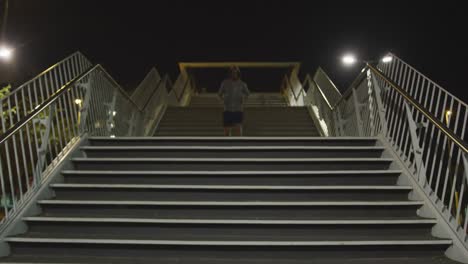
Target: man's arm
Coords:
[[221, 91], [246, 91]]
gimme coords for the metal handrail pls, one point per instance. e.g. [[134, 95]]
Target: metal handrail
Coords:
[[448, 132], [328, 78], [11, 131], [54, 97], [432, 82], [116, 84], [444, 129], [17, 89], [354, 84], [179, 98], [309, 79], [164, 79], [296, 97], [304, 92]]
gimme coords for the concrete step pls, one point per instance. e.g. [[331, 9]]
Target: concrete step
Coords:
[[159, 250], [233, 141], [218, 121], [305, 178], [234, 164], [235, 151], [231, 230], [25, 259], [148, 192], [318, 210], [202, 133], [220, 133]]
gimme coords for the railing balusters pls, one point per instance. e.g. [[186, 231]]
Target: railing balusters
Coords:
[[425, 90], [51, 127], [60, 119], [22, 154]]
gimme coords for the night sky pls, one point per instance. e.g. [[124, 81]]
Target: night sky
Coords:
[[129, 37]]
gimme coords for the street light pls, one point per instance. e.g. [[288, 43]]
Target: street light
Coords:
[[387, 59], [448, 114], [6, 53], [349, 59]]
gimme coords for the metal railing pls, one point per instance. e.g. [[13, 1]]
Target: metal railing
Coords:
[[446, 107], [143, 93], [91, 103], [435, 154], [293, 93], [73, 102], [155, 94], [155, 107], [182, 89], [23, 99], [327, 87]]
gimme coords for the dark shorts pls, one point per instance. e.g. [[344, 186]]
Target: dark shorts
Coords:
[[232, 118]]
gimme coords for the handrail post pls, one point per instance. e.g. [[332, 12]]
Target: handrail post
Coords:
[[465, 172], [357, 112], [110, 125], [45, 137], [131, 125], [417, 150], [378, 98], [465, 165], [83, 111], [340, 122]]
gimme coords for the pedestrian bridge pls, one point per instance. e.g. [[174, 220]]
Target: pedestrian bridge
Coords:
[[92, 174]]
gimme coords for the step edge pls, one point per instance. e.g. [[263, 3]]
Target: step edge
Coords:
[[231, 243], [235, 159], [230, 221], [376, 148], [351, 172], [204, 203], [240, 138], [226, 187]]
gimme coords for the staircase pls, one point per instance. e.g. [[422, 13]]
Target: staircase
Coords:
[[89, 181], [229, 200], [265, 117], [254, 100]]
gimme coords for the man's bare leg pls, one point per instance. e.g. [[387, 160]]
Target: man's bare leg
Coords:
[[227, 131], [238, 130]]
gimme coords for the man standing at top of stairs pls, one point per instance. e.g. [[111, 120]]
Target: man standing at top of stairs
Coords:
[[233, 92]]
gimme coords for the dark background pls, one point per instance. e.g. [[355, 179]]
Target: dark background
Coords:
[[129, 37]]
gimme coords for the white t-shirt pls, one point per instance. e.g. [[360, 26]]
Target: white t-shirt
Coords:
[[233, 93]]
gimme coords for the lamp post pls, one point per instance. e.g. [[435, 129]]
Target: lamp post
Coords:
[[350, 59], [6, 52], [448, 114], [4, 20]]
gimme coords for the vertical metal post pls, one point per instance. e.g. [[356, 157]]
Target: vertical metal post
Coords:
[[465, 179], [111, 114], [132, 124], [15, 151], [85, 107], [417, 151], [23, 154], [357, 112], [45, 138], [339, 122], [29, 138], [378, 99]]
